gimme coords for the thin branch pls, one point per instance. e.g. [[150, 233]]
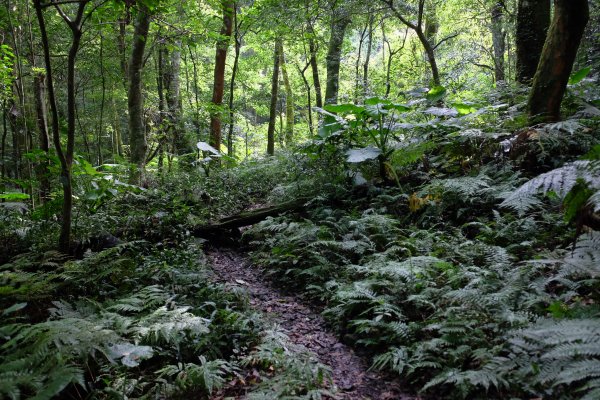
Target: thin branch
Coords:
[[452, 36], [482, 65]]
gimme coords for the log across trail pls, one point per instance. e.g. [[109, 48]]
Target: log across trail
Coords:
[[250, 217], [307, 328]]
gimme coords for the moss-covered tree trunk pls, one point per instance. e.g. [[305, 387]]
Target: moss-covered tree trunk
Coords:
[[340, 21], [533, 20], [135, 99], [556, 63]]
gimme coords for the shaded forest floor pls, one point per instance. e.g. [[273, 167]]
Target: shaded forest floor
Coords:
[[305, 327]]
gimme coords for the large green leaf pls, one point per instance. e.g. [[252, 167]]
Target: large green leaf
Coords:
[[436, 93], [464, 109], [344, 108], [580, 75]]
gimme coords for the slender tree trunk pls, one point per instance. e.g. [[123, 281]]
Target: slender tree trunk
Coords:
[[340, 21], [122, 49], [219, 74], [365, 80], [312, 46], [4, 135], [135, 99], [160, 83], [236, 60], [357, 78], [308, 98], [173, 99], [43, 173], [556, 61], [102, 103], [289, 98], [66, 158], [196, 95], [499, 40], [273, 104], [533, 20]]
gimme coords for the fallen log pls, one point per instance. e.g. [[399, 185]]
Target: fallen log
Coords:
[[246, 218]]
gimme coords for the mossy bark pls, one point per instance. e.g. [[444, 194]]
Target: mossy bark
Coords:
[[556, 62], [533, 20], [340, 21]]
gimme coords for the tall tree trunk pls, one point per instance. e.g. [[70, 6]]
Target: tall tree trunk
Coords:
[[103, 101], [533, 20], [357, 77], [4, 135], [135, 99], [340, 21], [160, 85], [289, 98], [556, 62], [66, 158], [236, 60], [39, 90], [273, 104], [498, 40], [314, 66], [172, 85], [365, 79], [219, 74]]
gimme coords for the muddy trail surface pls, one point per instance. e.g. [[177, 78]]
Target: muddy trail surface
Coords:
[[305, 327]]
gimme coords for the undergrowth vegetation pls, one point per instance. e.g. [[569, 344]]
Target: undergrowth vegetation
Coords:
[[136, 320], [462, 256], [476, 275]]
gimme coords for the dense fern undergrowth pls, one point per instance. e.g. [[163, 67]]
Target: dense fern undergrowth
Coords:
[[465, 262]]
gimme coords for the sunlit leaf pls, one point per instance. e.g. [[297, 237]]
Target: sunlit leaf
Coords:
[[436, 93], [578, 76], [361, 155]]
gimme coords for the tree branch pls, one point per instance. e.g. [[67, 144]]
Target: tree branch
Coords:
[[452, 36]]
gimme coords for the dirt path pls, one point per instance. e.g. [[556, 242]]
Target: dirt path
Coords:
[[305, 327]]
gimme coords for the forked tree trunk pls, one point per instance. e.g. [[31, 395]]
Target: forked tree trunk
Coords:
[[533, 20], [558, 56], [66, 157], [273, 104], [219, 74], [135, 98]]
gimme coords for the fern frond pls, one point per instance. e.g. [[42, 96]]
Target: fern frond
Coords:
[[559, 181]]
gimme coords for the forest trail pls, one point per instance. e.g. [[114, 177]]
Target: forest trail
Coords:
[[307, 328]]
